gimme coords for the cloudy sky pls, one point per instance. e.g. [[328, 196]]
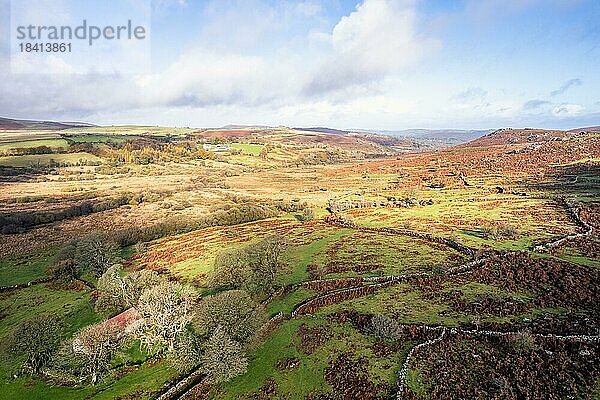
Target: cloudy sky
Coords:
[[379, 64]]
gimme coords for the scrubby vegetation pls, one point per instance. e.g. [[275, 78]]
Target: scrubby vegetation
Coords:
[[269, 263]]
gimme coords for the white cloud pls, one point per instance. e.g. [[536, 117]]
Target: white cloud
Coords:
[[203, 77], [378, 39], [567, 110], [161, 7], [214, 74]]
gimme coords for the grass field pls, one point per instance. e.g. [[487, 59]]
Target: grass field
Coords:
[[77, 308], [25, 144], [23, 269], [464, 214], [343, 252], [91, 138], [49, 159], [366, 253], [248, 148], [307, 377], [7, 137]]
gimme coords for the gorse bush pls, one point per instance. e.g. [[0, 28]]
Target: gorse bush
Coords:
[[523, 342], [385, 328], [499, 230]]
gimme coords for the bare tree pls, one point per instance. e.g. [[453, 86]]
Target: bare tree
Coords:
[[97, 344], [119, 290], [223, 358], [95, 253], [166, 309]]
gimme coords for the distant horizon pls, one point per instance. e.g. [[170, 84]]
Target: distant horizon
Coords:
[[242, 126]]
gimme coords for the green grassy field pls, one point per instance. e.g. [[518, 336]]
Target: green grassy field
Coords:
[[25, 144], [463, 215], [369, 254], [48, 159], [76, 306], [308, 377], [23, 269], [248, 148]]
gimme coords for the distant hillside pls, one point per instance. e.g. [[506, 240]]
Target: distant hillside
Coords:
[[443, 136], [235, 126], [324, 130], [24, 124], [509, 136], [586, 129]]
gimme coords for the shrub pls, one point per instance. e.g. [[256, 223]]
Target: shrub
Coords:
[[308, 214], [66, 367], [187, 352], [499, 230], [523, 342], [37, 338], [385, 328]]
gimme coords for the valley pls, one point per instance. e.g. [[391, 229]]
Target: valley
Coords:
[[286, 263]]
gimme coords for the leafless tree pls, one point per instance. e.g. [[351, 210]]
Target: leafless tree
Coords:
[[97, 344], [166, 309], [95, 253], [119, 290]]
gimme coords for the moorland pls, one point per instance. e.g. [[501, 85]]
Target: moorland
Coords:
[[144, 262]]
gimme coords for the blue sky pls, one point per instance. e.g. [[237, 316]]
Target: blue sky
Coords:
[[379, 64]]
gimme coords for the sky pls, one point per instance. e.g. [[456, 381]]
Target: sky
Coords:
[[368, 64]]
